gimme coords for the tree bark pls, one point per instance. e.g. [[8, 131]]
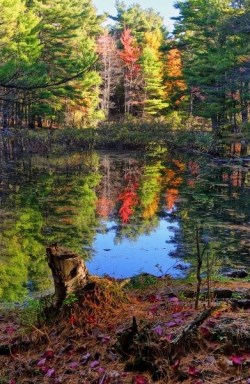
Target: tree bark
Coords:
[[69, 271]]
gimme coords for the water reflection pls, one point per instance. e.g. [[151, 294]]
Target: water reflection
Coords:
[[124, 213], [148, 253]]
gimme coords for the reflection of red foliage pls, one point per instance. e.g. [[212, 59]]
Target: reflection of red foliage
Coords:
[[104, 206], [225, 177], [194, 167], [235, 178], [171, 196], [129, 200], [191, 183]]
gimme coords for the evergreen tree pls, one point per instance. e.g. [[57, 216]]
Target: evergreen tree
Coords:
[[152, 70]]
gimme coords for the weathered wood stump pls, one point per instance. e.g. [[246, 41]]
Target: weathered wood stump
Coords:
[[69, 271]]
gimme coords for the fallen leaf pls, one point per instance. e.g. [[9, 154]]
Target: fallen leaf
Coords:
[[169, 337], [205, 332], [171, 324], [85, 358], [237, 360], [49, 353], [158, 330], [140, 380], [73, 365], [50, 372], [41, 362], [176, 364], [94, 364], [154, 298], [72, 320], [173, 299], [193, 371], [153, 310]]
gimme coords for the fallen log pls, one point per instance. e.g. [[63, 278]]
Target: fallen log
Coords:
[[192, 327], [69, 271]]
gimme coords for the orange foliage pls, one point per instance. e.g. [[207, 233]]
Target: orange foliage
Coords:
[[180, 165], [171, 197], [172, 179], [151, 209], [175, 84]]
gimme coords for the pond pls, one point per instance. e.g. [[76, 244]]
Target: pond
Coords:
[[125, 213]]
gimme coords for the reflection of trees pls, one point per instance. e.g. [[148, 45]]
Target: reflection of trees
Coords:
[[46, 201], [217, 199], [69, 210], [150, 190]]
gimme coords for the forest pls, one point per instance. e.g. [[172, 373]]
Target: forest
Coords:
[[62, 66], [124, 193]]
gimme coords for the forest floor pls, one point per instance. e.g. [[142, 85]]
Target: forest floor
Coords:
[[109, 334]]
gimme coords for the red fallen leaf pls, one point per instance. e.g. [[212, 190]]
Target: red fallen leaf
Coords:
[[237, 360], [205, 332], [154, 298], [193, 371], [176, 364], [49, 353], [12, 381], [50, 372], [41, 362], [94, 364], [140, 380], [158, 330], [198, 381], [9, 329], [72, 319], [91, 319], [153, 310]]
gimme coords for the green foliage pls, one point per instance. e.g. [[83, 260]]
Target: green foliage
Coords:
[[142, 281], [70, 299], [31, 313]]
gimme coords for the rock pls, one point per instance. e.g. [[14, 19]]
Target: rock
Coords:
[[236, 273]]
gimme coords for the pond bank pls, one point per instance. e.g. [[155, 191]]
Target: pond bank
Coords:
[[127, 136]]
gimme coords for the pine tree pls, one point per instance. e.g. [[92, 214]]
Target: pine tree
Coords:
[[152, 70]]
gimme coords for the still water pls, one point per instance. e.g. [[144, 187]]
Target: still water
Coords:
[[125, 213]]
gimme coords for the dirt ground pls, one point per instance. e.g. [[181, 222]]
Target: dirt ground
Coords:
[[140, 336]]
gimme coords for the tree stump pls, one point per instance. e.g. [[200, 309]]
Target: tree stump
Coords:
[[69, 271]]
